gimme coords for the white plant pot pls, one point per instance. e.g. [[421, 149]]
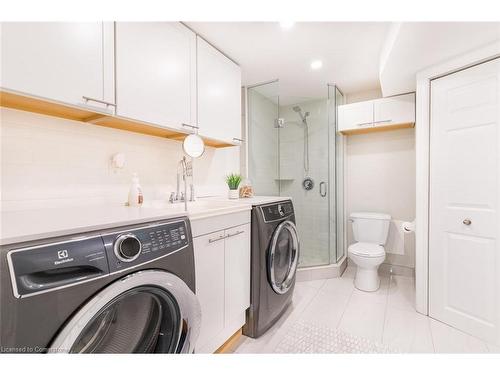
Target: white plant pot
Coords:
[[234, 194]]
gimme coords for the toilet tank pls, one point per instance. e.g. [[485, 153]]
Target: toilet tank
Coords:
[[370, 227]]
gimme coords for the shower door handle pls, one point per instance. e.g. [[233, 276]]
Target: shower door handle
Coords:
[[322, 188]]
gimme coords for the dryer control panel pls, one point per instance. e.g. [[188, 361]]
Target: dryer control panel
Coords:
[[277, 211], [49, 265], [129, 248]]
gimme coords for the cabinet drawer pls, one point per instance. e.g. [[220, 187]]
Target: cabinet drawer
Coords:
[[212, 224]]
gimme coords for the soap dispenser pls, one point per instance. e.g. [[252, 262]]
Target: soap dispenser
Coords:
[[135, 197]]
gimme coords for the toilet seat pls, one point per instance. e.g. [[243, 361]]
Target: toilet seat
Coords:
[[366, 250]]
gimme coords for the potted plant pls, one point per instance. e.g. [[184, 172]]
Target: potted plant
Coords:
[[233, 181]]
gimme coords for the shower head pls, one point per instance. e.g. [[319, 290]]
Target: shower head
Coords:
[[302, 116]]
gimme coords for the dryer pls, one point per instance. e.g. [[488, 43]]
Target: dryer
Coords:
[[127, 290], [275, 252]]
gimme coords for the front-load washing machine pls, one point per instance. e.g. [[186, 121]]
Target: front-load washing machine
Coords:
[[127, 290], [275, 255]]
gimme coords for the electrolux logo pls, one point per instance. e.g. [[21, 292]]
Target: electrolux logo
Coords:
[[63, 257], [62, 254]]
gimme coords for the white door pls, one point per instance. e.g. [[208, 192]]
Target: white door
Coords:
[[464, 255], [63, 61], [156, 73], [394, 110], [210, 279], [219, 94]]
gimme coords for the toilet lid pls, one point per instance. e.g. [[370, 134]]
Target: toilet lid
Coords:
[[365, 249]]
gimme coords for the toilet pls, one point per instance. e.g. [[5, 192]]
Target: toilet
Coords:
[[370, 231]]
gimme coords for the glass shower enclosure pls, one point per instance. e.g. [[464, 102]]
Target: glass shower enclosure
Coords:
[[294, 150]]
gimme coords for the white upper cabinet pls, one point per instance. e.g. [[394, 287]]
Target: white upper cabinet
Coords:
[[219, 95], [156, 73], [62, 61], [356, 115], [376, 114], [394, 110]]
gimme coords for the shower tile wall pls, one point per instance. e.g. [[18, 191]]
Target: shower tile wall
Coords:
[[262, 143], [312, 214]]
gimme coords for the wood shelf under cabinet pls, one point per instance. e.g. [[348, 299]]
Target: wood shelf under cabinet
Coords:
[[376, 129], [66, 111]]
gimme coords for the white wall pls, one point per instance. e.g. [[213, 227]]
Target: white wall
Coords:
[[380, 173], [49, 162], [362, 96]]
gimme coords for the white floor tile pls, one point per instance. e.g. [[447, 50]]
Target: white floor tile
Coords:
[[450, 340], [407, 331], [364, 318], [379, 296], [402, 293], [316, 284], [325, 309], [342, 285]]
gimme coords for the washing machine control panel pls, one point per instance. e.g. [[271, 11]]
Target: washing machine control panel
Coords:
[[277, 211], [133, 247]]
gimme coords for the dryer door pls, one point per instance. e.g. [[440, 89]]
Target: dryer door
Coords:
[[145, 312], [283, 257]]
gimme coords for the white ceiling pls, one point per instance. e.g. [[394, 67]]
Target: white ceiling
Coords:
[[350, 52], [414, 46]]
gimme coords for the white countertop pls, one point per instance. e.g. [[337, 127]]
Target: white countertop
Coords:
[[27, 225]]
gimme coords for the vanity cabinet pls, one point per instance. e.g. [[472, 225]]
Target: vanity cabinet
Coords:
[[68, 62], [393, 112], [156, 73], [219, 95], [222, 261]]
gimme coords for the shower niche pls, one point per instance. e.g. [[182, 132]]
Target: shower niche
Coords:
[[295, 151]]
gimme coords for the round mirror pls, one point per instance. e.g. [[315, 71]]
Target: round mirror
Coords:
[[193, 145]]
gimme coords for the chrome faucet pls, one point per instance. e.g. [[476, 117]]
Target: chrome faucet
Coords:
[[185, 169]]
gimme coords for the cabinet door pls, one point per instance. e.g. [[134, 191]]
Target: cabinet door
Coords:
[[394, 110], [237, 271], [219, 94], [355, 116], [62, 61], [209, 263], [155, 73]]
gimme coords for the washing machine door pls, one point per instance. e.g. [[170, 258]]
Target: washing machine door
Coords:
[[145, 312], [283, 257]]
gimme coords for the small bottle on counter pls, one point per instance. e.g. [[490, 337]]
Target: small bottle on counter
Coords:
[[135, 197], [246, 190]]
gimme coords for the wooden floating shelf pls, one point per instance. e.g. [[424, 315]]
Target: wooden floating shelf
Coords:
[[377, 129], [66, 111]]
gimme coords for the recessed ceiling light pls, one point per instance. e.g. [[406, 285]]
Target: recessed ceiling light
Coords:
[[286, 25], [316, 64]]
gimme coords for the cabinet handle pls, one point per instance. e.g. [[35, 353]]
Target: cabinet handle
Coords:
[[378, 122], [212, 240], [107, 104], [364, 124], [190, 126], [467, 221], [238, 139], [236, 233]]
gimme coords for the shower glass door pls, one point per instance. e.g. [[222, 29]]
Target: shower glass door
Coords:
[[292, 152], [303, 144]]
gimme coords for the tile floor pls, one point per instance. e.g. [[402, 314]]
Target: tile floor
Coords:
[[385, 318]]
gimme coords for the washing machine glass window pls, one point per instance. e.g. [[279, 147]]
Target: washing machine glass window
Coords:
[[283, 257], [142, 320], [145, 312]]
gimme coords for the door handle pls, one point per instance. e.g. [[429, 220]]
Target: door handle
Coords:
[[235, 234], [467, 221], [364, 124], [212, 240], [107, 104], [322, 188]]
